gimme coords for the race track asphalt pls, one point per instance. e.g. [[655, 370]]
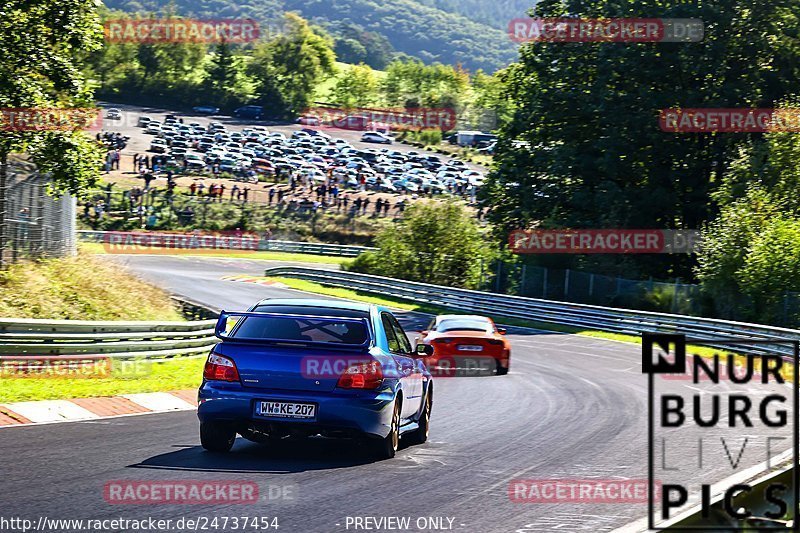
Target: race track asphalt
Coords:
[[572, 407]]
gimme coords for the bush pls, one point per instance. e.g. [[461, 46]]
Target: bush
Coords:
[[439, 243]]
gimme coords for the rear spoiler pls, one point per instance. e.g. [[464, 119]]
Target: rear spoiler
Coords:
[[220, 330]]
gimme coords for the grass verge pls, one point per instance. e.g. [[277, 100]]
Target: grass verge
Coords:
[[139, 376], [99, 248], [80, 288]]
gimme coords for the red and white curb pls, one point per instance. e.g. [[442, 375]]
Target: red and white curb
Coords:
[[75, 409], [243, 278]]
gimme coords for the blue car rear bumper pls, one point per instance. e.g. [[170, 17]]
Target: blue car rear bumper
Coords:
[[356, 412]]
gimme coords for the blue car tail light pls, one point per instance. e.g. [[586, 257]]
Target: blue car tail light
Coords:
[[219, 368], [367, 375]]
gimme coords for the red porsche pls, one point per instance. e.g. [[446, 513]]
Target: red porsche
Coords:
[[466, 341]]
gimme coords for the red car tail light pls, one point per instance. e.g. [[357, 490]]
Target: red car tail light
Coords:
[[219, 368], [367, 375]]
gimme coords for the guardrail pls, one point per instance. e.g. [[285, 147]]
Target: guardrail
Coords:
[[21, 337], [119, 240], [701, 331]]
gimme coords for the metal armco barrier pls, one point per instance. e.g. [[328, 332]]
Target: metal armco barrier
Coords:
[[33, 337], [25, 337], [339, 250], [701, 331]]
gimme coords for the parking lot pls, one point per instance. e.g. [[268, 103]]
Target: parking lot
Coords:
[[298, 163]]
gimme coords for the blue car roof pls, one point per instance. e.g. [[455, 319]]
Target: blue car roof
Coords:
[[314, 302]]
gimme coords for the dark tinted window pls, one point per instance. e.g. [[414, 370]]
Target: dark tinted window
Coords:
[[402, 338], [391, 337], [309, 330]]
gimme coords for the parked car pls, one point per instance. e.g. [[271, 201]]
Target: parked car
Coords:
[[254, 112], [306, 367], [158, 145], [194, 161], [206, 110], [143, 121], [376, 137]]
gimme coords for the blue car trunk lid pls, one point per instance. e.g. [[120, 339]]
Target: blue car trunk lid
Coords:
[[289, 368]]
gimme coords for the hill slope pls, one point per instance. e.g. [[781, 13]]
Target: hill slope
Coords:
[[419, 30]]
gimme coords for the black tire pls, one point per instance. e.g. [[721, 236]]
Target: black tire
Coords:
[[420, 435], [501, 370], [386, 448], [216, 436]]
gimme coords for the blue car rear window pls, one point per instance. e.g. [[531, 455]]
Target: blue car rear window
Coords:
[[327, 330]]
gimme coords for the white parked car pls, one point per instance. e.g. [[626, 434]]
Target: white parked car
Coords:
[[473, 177], [376, 137], [158, 145]]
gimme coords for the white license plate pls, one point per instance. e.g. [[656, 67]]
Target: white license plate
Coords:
[[286, 409], [469, 348]]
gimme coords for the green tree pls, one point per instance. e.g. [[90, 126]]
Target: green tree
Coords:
[[294, 63], [741, 257], [355, 86], [350, 51], [434, 85], [39, 67], [435, 242], [225, 81], [585, 149], [772, 268]]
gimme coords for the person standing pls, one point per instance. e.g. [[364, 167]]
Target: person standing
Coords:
[[135, 162]]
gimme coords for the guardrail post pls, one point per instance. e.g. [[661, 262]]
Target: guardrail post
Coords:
[[786, 308], [566, 283], [522, 281], [675, 295], [591, 285], [544, 284]]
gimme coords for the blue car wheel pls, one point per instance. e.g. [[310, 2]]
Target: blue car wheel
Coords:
[[217, 436], [386, 448]]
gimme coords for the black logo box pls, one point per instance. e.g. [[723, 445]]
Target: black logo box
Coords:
[[678, 343]]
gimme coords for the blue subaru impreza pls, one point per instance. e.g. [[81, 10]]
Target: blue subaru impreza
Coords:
[[304, 367]]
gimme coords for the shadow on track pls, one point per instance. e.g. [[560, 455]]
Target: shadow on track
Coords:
[[284, 457]]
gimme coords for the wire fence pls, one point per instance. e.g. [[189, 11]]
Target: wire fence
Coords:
[[37, 225], [674, 297]]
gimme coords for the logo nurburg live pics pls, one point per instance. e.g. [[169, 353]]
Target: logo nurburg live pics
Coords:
[[711, 442]]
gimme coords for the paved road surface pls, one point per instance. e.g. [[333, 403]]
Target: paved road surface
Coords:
[[572, 407]]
